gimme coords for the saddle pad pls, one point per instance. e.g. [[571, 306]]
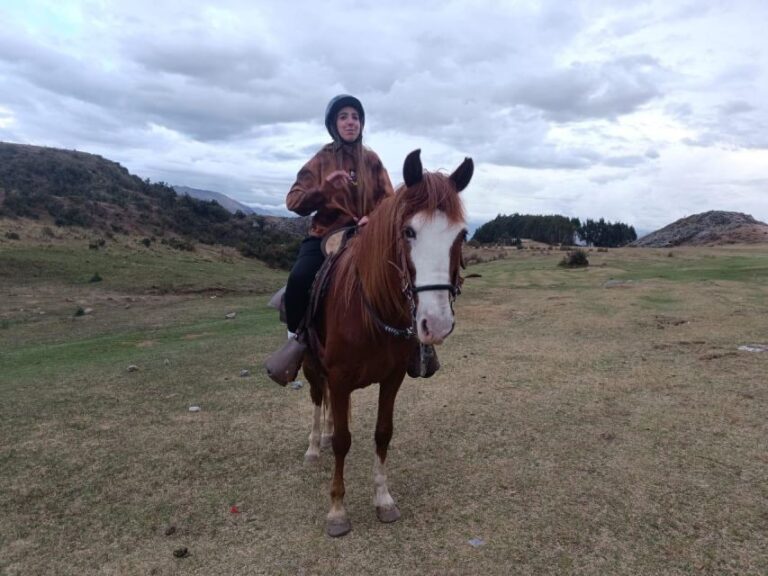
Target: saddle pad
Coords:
[[332, 242]]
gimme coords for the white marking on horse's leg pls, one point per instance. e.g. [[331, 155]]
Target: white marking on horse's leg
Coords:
[[313, 452], [327, 439], [381, 496]]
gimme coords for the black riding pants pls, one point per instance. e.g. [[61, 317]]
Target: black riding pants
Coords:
[[302, 275]]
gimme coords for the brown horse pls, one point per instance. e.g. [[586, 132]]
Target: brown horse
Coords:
[[391, 288]]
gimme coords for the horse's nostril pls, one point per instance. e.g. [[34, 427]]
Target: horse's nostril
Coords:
[[424, 326]]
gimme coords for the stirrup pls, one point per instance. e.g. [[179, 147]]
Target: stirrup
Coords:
[[283, 366], [423, 363]]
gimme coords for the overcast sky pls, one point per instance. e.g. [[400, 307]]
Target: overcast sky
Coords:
[[637, 111]]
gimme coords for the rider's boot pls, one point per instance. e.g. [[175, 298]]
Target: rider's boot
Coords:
[[423, 363], [283, 366]]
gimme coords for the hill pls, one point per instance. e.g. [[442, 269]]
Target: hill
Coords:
[[708, 229], [223, 200], [72, 188]]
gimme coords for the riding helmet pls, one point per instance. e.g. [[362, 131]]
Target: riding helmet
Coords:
[[332, 110]]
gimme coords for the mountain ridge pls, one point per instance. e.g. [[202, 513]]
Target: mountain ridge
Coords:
[[226, 202]]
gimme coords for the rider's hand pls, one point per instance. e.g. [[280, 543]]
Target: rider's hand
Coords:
[[336, 181], [362, 222]]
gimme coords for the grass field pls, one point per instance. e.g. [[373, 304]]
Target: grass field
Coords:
[[590, 421]]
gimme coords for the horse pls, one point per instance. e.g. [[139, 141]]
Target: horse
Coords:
[[390, 289]]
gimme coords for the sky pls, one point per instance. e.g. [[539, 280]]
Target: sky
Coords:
[[635, 111]]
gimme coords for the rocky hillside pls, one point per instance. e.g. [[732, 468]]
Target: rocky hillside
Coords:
[[708, 229], [71, 188]]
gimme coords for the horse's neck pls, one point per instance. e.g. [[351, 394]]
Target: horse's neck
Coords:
[[379, 265]]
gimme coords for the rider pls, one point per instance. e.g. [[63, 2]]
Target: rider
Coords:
[[342, 172], [346, 173]]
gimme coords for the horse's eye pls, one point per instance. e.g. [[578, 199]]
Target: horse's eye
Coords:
[[410, 233]]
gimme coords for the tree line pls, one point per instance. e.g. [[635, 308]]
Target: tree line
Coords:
[[554, 229]]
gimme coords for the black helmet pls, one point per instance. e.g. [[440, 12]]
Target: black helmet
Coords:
[[332, 110]]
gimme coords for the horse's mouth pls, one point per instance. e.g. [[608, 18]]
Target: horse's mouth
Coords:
[[431, 338]]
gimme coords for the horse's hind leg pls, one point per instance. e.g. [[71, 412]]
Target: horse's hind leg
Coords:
[[316, 392], [312, 455], [386, 508], [327, 436]]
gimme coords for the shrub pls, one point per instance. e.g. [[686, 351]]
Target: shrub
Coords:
[[574, 259], [79, 311], [95, 278], [12, 236], [74, 216], [146, 242]]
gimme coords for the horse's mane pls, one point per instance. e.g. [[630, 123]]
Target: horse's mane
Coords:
[[372, 263]]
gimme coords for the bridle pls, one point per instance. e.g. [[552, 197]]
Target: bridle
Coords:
[[410, 293]]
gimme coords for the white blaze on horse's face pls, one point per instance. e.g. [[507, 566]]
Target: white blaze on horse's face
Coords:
[[431, 240]]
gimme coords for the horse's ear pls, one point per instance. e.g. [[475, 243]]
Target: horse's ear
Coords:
[[412, 170], [463, 174]]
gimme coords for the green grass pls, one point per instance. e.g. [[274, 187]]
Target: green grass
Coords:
[[723, 266], [126, 266], [117, 347]]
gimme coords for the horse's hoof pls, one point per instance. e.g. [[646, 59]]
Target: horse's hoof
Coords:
[[311, 458], [338, 527], [388, 515]]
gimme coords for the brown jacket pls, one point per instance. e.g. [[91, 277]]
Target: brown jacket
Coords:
[[309, 194]]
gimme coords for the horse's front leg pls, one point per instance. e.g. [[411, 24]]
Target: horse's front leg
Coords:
[[337, 522], [386, 508]]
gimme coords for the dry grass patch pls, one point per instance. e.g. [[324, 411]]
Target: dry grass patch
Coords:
[[573, 428]]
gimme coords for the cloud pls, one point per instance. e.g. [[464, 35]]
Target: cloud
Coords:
[[588, 91], [557, 99]]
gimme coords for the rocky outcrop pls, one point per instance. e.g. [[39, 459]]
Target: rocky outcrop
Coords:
[[708, 229]]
